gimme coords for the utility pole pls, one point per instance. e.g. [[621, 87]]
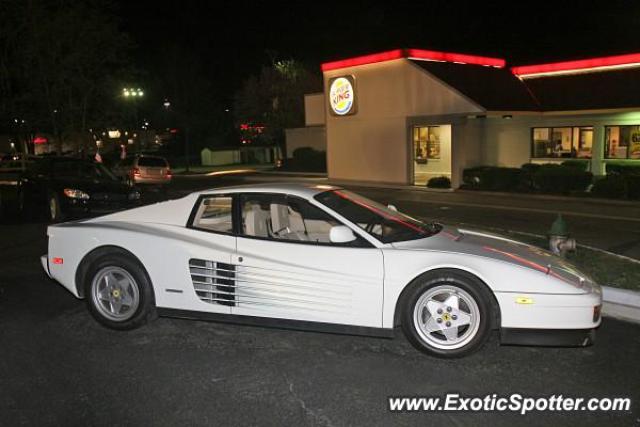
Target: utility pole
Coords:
[[186, 147]]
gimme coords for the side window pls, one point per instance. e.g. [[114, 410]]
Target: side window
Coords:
[[215, 213], [281, 217]]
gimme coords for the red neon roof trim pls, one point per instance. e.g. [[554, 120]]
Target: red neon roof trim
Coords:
[[362, 60], [432, 55], [428, 55], [579, 65]]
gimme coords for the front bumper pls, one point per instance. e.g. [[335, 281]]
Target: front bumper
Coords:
[[548, 337], [44, 260], [549, 311]]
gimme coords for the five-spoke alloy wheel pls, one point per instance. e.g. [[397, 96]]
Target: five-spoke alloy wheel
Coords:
[[447, 313], [115, 293], [118, 291]]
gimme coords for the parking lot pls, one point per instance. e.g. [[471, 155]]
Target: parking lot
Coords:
[[59, 367]]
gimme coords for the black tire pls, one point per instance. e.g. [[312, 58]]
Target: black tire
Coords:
[[465, 284], [146, 309], [54, 208]]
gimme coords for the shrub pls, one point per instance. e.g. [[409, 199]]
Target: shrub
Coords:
[[612, 186], [530, 167], [492, 178], [503, 179], [471, 176], [622, 169], [582, 165], [526, 177], [439, 182], [633, 186], [306, 159], [550, 178]]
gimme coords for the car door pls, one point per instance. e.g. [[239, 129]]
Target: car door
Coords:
[[286, 267], [207, 254]]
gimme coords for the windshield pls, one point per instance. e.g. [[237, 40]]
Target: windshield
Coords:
[[384, 224], [80, 169]]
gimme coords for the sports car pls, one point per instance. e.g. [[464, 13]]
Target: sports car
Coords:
[[319, 257]]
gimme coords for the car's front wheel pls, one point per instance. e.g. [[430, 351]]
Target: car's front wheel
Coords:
[[119, 293], [447, 314], [55, 208]]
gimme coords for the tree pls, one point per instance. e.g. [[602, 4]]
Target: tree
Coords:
[[275, 98], [59, 65], [180, 77]]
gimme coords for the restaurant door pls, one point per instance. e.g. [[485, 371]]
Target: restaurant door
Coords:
[[431, 152]]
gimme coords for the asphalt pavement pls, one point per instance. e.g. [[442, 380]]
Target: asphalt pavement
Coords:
[[59, 367]]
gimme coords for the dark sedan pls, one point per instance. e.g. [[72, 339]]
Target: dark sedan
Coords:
[[72, 188]]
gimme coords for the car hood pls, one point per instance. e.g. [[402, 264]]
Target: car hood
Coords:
[[495, 246], [95, 186]]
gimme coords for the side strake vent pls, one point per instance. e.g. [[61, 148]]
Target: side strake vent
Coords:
[[214, 282]]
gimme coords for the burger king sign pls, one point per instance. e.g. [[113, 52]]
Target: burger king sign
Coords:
[[342, 97]]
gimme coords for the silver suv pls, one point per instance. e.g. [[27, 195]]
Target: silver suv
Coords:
[[143, 169]]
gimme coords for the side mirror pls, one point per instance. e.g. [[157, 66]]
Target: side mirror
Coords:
[[341, 234], [392, 207]]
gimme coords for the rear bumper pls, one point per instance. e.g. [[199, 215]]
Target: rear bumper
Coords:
[[154, 180], [548, 337]]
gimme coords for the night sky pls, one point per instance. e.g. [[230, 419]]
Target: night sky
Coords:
[[234, 39]]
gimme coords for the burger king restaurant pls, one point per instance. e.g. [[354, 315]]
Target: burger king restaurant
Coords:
[[408, 115]]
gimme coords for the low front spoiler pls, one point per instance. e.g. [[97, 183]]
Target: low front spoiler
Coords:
[[548, 337]]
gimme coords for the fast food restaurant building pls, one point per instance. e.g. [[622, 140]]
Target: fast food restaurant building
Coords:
[[407, 115]]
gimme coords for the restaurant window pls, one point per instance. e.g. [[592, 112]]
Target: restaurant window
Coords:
[[562, 142], [622, 142], [426, 143]]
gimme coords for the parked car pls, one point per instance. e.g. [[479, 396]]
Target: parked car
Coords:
[[318, 257], [67, 188], [144, 169]]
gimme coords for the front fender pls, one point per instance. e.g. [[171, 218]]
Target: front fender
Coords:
[[502, 278]]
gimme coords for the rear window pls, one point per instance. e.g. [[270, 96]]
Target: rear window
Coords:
[[154, 162], [215, 214]]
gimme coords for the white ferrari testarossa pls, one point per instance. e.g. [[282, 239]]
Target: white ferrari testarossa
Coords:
[[319, 257]]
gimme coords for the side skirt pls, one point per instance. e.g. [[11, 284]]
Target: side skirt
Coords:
[[297, 325]]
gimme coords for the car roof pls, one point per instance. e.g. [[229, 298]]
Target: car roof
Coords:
[[300, 189]]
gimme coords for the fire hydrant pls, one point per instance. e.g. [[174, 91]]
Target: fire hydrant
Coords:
[[559, 241]]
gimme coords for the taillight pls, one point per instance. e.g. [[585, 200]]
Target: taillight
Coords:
[[168, 173], [135, 172], [597, 310]]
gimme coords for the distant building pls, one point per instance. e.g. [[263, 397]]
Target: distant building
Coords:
[[407, 115]]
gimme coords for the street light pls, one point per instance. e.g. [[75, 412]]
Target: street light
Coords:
[[167, 106], [132, 93]]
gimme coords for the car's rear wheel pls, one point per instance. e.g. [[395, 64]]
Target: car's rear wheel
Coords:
[[447, 314], [119, 293]]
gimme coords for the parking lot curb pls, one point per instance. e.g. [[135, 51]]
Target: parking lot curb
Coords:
[[621, 304]]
